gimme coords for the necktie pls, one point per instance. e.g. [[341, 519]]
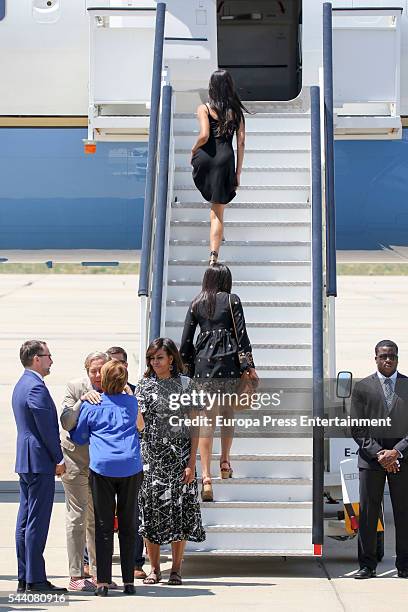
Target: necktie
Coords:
[[388, 392]]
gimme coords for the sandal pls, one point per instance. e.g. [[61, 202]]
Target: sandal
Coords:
[[207, 493], [213, 258], [175, 579], [153, 578], [226, 472]]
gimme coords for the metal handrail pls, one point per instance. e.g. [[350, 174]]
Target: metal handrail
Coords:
[[161, 213], [331, 276], [145, 258], [317, 317]]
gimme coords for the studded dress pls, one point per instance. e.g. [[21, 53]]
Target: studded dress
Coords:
[[170, 510], [215, 352]]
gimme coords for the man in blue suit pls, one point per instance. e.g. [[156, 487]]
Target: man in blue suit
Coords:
[[39, 458]]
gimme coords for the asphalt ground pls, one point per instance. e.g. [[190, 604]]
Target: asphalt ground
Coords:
[[79, 314]]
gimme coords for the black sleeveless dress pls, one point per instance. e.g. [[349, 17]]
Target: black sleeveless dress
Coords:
[[214, 167]]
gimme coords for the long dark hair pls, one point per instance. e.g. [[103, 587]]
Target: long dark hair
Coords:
[[225, 101], [172, 351], [216, 278]]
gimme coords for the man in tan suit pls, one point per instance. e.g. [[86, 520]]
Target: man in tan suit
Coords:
[[80, 520]]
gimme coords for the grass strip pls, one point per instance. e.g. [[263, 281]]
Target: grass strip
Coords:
[[372, 269], [67, 268]]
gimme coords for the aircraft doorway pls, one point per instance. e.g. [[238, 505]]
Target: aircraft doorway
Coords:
[[259, 42]]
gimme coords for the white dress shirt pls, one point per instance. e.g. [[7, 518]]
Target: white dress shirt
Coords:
[[393, 380]]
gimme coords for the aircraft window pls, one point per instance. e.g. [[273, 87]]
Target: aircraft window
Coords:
[[2, 9]]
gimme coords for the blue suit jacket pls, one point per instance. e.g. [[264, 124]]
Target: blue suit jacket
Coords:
[[38, 440]]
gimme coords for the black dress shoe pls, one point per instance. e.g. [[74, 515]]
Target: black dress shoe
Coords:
[[102, 591], [21, 587], [403, 573], [129, 589], [365, 572], [44, 587]]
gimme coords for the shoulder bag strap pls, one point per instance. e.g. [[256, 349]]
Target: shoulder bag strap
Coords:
[[233, 319]]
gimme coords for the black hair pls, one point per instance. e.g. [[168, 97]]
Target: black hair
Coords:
[[388, 344], [172, 351], [116, 350], [225, 102], [29, 350], [216, 278]]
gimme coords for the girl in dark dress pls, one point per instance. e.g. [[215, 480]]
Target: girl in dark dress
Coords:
[[214, 171], [168, 498], [213, 360]]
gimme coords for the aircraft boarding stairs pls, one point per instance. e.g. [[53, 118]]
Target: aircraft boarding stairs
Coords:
[[266, 508]]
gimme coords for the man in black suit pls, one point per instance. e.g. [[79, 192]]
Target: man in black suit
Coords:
[[383, 453]]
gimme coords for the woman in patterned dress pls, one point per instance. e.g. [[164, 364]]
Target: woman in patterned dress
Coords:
[[168, 499]]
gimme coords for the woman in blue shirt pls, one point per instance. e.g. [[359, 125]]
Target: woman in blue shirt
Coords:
[[115, 473]]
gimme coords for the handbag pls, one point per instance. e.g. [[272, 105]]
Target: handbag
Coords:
[[248, 382]]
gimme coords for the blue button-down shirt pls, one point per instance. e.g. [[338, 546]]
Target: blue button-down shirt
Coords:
[[110, 429]]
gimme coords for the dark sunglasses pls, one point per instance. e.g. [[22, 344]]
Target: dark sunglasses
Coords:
[[385, 356]]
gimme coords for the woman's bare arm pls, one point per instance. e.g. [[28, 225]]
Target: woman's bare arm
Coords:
[[204, 134], [140, 421], [240, 150]]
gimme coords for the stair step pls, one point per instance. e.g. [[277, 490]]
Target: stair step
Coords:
[[252, 193], [266, 457], [242, 243], [235, 251], [244, 283], [253, 446], [283, 368], [192, 268], [266, 466], [268, 514], [260, 157], [264, 481], [255, 178], [250, 304], [253, 169], [275, 139], [295, 232], [256, 529], [255, 194], [252, 132], [215, 552], [257, 224], [267, 325], [245, 212], [257, 539], [204, 262], [269, 505], [252, 188], [250, 205], [253, 115]]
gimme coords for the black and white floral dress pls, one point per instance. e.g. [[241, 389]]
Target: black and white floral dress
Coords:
[[170, 510]]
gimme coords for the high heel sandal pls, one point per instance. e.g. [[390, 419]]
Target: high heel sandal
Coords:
[[213, 258], [226, 472], [207, 493]]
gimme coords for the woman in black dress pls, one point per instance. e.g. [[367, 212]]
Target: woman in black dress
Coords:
[[168, 499], [214, 171], [214, 359]]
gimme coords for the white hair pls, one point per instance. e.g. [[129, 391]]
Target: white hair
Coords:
[[95, 355]]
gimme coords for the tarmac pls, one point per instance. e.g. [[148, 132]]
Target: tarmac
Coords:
[[79, 314]]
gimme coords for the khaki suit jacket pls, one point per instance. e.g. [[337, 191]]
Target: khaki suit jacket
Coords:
[[76, 456]]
